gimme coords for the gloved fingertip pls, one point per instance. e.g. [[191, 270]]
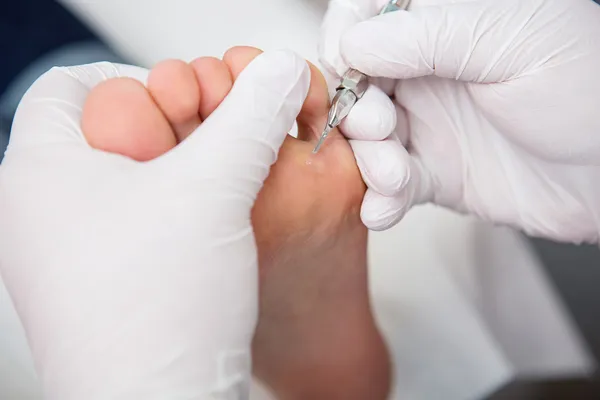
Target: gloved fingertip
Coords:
[[372, 118], [385, 165], [380, 213]]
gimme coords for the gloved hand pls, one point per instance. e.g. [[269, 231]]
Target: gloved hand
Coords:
[[139, 280], [497, 103]]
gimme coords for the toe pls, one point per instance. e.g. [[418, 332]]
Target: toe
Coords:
[[175, 89], [214, 80], [121, 117]]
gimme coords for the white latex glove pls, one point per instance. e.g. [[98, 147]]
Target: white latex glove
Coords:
[[501, 115], [139, 280]]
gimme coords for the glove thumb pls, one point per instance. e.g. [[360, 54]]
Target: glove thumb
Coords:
[[236, 146], [449, 41]]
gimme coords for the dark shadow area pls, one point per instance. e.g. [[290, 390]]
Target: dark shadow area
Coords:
[[36, 35], [559, 390], [575, 272], [32, 28]]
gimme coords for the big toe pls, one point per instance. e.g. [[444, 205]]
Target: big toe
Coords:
[[120, 116]]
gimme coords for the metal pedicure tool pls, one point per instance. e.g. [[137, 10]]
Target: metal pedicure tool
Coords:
[[352, 87]]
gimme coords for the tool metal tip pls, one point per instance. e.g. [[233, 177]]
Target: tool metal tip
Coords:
[[319, 144], [322, 139]]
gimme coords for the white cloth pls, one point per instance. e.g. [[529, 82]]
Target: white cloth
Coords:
[[424, 276]]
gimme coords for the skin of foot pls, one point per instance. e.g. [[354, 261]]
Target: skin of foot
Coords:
[[316, 337]]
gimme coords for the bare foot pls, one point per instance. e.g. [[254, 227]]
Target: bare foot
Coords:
[[316, 337]]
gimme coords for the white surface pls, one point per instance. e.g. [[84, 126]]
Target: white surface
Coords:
[[424, 272], [517, 300], [441, 348], [149, 31]]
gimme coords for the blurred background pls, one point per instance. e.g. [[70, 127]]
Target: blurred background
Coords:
[[470, 311]]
